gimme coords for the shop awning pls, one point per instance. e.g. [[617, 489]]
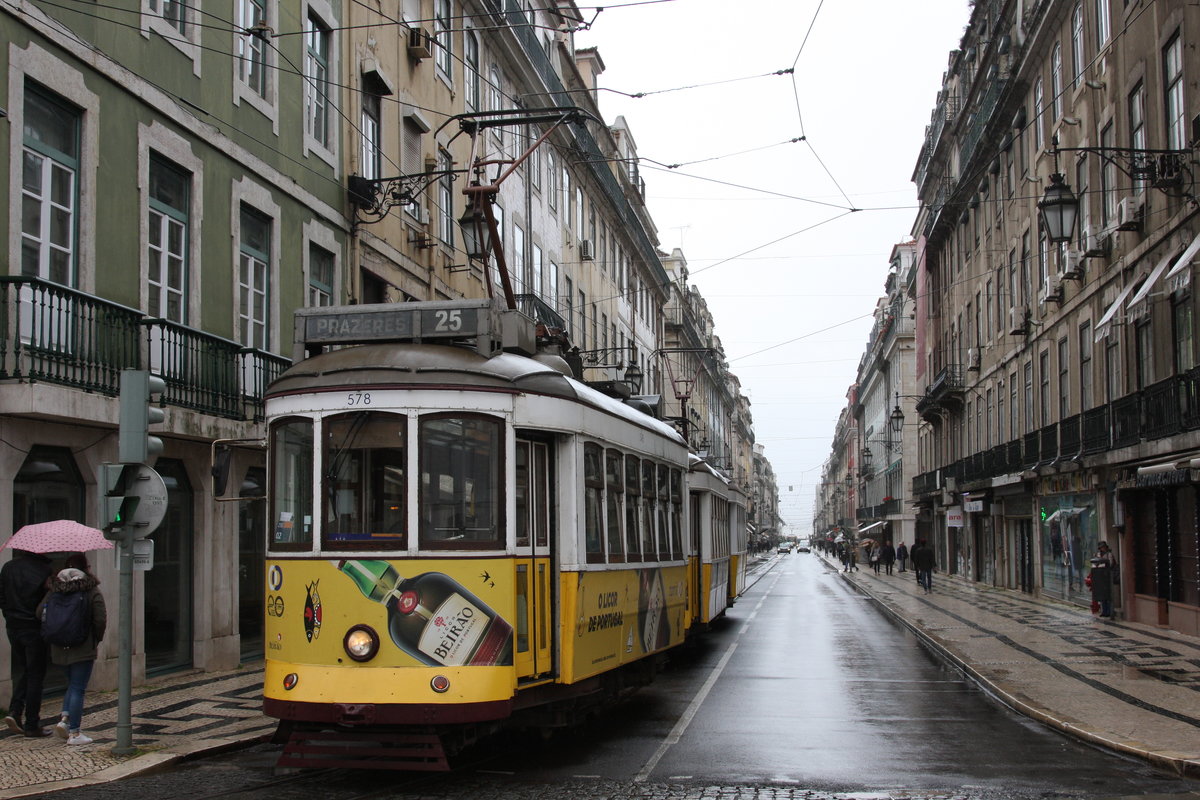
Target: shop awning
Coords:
[[1138, 304], [1180, 276], [872, 526], [1105, 321], [1065, 512]]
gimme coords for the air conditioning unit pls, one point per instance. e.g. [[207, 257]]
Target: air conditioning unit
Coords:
[[1052, 292], [1070, 266], [418, 212], [587, 251], [1095, 243], [1129, 214], [949, 498], [420, 43], [1018, 320], [973, 358]]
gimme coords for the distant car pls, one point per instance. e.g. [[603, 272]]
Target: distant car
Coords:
[[803, 549], [784, 548]]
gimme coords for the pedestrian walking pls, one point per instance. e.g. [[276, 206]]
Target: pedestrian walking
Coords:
[[873, 557], [1103, 579], [902, 555], [924, 564], [887, 556], [77, 660], [22, 585]]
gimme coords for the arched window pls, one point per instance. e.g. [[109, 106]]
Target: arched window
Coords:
[[47, 487]]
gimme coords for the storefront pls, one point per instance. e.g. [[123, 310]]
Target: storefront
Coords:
[[1069, 538]]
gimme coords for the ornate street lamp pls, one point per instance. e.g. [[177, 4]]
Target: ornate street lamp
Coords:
[[1059, 207]]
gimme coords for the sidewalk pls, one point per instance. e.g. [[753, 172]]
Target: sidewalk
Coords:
[[173, 718], [1129, 687]]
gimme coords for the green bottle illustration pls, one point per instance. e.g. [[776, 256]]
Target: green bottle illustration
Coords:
[[433, 617]]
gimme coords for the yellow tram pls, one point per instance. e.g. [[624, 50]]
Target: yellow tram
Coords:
[[462, 535]]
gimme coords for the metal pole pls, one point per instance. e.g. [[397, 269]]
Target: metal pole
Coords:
[[125, 646]]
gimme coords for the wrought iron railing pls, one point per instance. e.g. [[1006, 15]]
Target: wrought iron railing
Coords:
[[60, 335], [540, 311], [1096, 433], [1069, 437], [1048, 444]]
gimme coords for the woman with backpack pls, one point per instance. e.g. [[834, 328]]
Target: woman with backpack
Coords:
[[73, 621]]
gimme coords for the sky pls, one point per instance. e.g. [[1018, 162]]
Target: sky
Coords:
[[790, 272]]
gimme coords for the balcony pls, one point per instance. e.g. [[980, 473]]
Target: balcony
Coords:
[[944, 394], [1166, 408], [540, 312], [54, 334]]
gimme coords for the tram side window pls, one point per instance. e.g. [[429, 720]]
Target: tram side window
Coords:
[[664, 510], [363, 472], [676, 514], [720, 525], [291, 484], [633, 498], [593, 488], [614, 484], [649, 539], [461, 501]]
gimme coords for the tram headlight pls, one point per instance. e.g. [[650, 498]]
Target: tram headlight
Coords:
[[361, 643]]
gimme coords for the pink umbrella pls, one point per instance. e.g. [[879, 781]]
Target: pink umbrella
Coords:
[[59, 536]]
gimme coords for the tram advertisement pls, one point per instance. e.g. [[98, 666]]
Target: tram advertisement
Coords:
[[622, 615], [432, 613]]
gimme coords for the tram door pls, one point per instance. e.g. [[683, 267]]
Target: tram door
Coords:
[[696, 557], [533, 625]]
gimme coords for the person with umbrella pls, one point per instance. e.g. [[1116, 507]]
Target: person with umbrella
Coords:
[[22, 585]]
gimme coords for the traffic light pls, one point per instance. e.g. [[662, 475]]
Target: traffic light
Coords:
[[116, 507], [138, 390]]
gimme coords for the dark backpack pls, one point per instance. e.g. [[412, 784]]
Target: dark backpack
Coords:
[[66, 621]]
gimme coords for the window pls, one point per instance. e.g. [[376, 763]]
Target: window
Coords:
[[1014, 409], [1102, 24], [1144, 355], [1056, 81], [167, 232], [370, 155], [253, 268], [174, 13], [1029, 407], [1084, 221], [1108, 181], [320, 276], [471, 70], [582, 319], [1039, 101], [445, 198], [442, 31], [1064, 379], [517, 259], [614, 482], [537, 286], [593, 504], [1113, 384], [49, 187], [1181, 325], [316, 73], [650, 533], [1173, 93], [1137, 123], [291, 484], [363, 458], [251, 49], [1044, 374], [552, 290], [1077, 65], [495, 103], [1085, 366], [461, 463], [551, 181], [633, 499]]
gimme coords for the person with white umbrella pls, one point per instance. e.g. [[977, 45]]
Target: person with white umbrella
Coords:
[[22, 585]]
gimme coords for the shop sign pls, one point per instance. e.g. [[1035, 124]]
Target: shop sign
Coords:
[[973, 506], [954, 517]]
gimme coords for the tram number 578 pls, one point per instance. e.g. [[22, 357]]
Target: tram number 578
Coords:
[[358, 399]]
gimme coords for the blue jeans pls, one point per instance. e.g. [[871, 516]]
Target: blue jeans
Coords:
[[78, 675], [925, 577]]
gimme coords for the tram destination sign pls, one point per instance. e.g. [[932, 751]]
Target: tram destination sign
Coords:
[[396, 322]]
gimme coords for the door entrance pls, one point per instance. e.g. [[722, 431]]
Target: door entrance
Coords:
[[534, 522], [168, 595], [1024, 533]]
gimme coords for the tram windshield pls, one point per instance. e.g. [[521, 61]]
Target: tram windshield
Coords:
[[363, 473]]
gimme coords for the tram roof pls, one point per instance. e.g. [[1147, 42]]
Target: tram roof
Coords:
[[447, 366]]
